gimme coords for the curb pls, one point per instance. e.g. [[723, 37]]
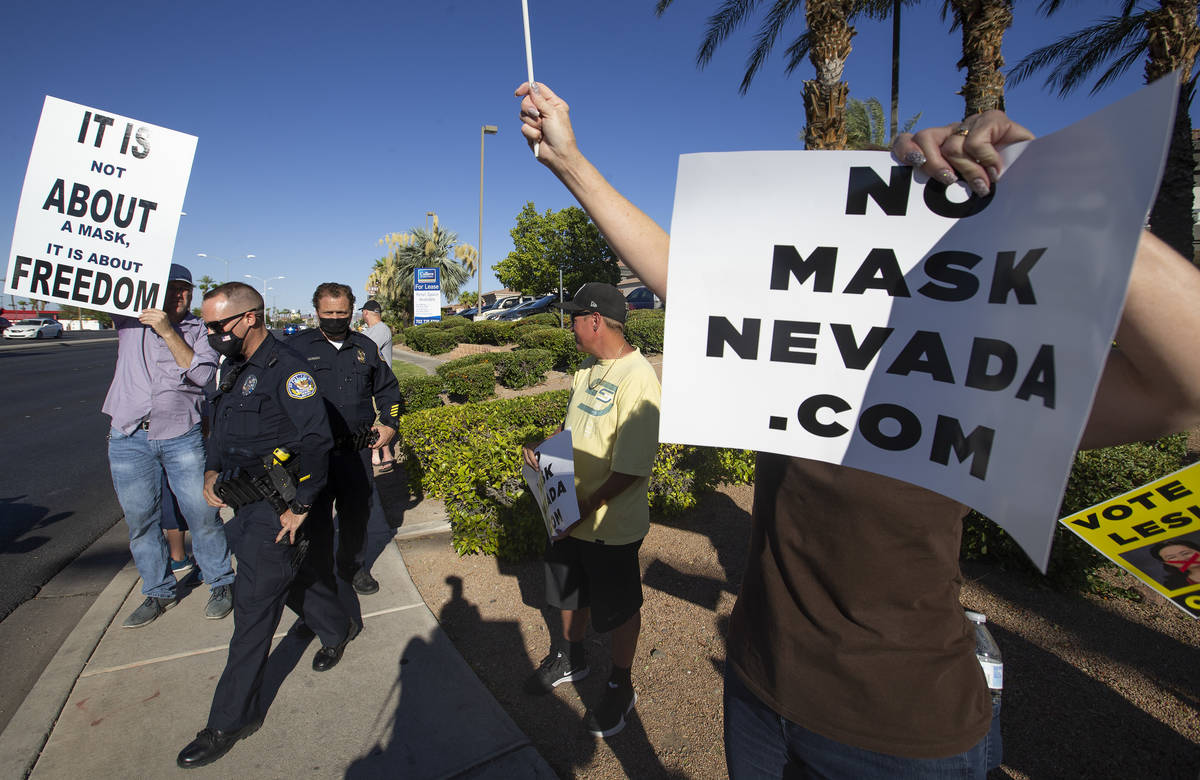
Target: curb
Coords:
[[22, 741]]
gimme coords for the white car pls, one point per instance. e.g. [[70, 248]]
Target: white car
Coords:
[[42, 328]]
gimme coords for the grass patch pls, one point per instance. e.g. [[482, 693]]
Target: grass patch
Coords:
[[404, 369]]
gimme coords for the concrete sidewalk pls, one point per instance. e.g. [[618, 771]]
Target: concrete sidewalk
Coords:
[[117, 703]]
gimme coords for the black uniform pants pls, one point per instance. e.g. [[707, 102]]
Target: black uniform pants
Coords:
[[267, 578], [362, 530]]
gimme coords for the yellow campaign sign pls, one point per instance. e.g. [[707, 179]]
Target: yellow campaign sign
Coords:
[[1154, 533]]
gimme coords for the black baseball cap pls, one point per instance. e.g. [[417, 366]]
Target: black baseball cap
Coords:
[[597, 297], [372, 305]]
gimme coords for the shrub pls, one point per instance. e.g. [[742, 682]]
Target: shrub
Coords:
[[464, 361], [1097, 476], [645, 333], [420, 392], [545, 319], [681, 472], [560, 343], [488, 332], [644, 314], [471, 382], [470, 457], [429, 338], [458, 332], [523, 367]]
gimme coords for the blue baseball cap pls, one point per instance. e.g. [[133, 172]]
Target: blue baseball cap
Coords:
[[179, 274]]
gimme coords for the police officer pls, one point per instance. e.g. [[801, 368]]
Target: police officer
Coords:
[[265, 400], [350, 373]]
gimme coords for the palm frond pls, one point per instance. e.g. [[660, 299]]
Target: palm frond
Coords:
[[721, 24], [764, 41], [1074, 56], [797, 53]]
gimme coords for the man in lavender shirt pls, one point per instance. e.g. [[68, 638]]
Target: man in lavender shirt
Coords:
[[163, 363]]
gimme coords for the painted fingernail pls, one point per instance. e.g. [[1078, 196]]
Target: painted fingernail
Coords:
[[992, 172], [980, 187], [947, 175], [536, 87], [914, 158]]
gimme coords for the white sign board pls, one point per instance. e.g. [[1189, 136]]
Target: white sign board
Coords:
[[427, 295], [835, 306], [99, 210], [553, 485]]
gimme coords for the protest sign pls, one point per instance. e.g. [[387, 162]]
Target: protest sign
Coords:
[[553, 485], [840, 307], [427, 295], [99, 210], [1154, 533]]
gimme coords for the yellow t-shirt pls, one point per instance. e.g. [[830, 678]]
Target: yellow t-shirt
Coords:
[[613, 419]]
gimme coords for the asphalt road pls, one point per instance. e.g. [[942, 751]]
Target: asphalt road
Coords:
[[56, 495]]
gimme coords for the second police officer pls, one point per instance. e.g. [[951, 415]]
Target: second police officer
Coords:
[[350, 375], [267, 457]]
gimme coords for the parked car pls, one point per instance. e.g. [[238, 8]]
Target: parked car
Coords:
[[536, 306], [41, 328], [642, 298], [291, 330], [503, 305]]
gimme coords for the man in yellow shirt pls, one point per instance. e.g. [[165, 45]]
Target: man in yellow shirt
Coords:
[[594, 572]]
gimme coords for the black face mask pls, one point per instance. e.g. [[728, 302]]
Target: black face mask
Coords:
[[336, 328], [227, 344]]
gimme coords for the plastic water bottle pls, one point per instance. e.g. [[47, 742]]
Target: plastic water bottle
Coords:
[[988, 653]]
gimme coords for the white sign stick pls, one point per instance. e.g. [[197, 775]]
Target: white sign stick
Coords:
[[528, 56]]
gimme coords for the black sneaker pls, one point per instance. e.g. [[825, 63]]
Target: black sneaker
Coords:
[[555, 670], [609, 718]]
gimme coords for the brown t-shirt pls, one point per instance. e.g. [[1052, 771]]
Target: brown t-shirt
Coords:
[[849, 620]]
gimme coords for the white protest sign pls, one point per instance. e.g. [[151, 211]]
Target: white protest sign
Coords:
[[553, 485], [99, 210], [835, 306]]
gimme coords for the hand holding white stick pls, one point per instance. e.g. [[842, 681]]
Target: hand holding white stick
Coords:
[[528, 55]]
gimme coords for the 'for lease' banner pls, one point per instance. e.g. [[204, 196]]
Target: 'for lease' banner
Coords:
[[839, 307], [99, 210]]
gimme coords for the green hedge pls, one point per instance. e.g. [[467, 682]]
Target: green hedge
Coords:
[[1097, 476], [644, 314], [430, 338], [471, 382], [488, 332], [545, 319], [559, 342], [420, 392], [469, 456], [645, 333], [523, 367]]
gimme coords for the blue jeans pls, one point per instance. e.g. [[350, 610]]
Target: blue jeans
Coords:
[[759, 743], [137, 463]]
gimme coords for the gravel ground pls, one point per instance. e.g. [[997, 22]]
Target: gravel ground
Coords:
[[1095, 688]]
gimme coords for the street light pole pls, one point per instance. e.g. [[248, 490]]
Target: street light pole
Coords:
[[223, 260], [485, 130]]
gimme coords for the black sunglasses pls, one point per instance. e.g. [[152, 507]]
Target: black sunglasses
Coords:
[[218, 326]]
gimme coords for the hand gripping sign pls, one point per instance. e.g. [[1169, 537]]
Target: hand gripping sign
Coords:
[[99, 210], [553, 485], [1154, 533]]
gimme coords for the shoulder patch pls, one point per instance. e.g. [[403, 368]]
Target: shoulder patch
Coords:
[[300, 385]]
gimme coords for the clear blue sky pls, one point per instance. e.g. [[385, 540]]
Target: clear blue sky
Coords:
[[322, 126]]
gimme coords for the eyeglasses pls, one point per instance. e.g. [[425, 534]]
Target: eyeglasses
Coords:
[[218, 326]]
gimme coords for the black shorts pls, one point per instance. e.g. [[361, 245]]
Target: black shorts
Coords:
[[606, 578]]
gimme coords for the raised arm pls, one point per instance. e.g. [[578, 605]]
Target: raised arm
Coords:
[[636, 239], [1151, 381]]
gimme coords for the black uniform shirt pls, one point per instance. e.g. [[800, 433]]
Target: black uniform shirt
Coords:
[[349, 378], [273, 402]]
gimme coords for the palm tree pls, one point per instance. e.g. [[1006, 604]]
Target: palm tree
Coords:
[[865, 125], [826, 43], [420, 248], [983, 24], [1169, 38], [206, 283]]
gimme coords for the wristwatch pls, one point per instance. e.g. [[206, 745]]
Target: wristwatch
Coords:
[[298, 508]]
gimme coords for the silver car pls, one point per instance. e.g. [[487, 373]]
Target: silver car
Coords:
[[41, 328]]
